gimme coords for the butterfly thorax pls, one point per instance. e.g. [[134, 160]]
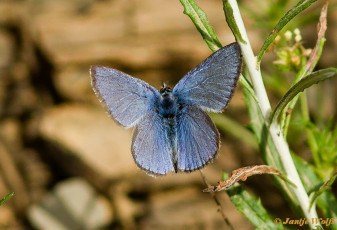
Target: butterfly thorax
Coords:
[[167, 103]]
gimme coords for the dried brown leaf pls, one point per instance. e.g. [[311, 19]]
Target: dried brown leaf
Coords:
[[321, 28], [242, 174]]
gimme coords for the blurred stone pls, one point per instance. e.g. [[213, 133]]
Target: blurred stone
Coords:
[[6, 54], [11, 11], [4, 190], [37, 173], [127, 209], [116, 31], [7, 216], [73, 82], [30, 166], [18, 94], [73, 204], [12, 178], [10, 132], [91, 136], [188, 208], [6, 50]]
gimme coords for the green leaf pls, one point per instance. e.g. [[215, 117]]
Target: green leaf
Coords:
[[231, 21], [327, 185], [199, 18], [301, 5], [3, 200], [251, 208], [304, 83], [326, 201], [325, 151]]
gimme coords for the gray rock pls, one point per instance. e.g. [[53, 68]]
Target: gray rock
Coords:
[[73, 204], [91, 136]]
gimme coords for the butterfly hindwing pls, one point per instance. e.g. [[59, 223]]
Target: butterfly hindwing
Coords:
[[211, 84], [151, 148], [197, 139], [126, 99]]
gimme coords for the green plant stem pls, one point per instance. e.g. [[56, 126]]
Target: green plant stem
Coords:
[[264, 105]]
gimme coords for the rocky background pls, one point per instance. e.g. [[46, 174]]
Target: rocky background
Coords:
[[68, 163]]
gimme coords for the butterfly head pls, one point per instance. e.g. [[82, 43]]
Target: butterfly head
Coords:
[[167, 102], [165, 91]]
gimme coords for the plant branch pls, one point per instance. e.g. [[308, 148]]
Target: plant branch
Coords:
[[264, 105], [308, 68]]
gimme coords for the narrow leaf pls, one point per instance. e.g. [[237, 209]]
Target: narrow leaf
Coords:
[[323, 188], [252, 208], [3, 200], [304, 83], [326, 201], [199, 18], [231, 21], [302, 5]]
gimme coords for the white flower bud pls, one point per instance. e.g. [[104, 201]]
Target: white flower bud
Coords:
[[298, 38], [297, 31], [288, 35]]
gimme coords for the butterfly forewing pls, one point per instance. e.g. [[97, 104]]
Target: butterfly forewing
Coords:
[[197, 139], [211, 84], [150, 145], [127, 99]]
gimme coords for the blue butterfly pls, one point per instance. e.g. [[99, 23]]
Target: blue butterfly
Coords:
[[172, 130]]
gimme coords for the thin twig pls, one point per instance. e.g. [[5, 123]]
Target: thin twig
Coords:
[[220, 209]]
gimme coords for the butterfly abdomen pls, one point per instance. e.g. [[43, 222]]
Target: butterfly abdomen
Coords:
[[171, 133]]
